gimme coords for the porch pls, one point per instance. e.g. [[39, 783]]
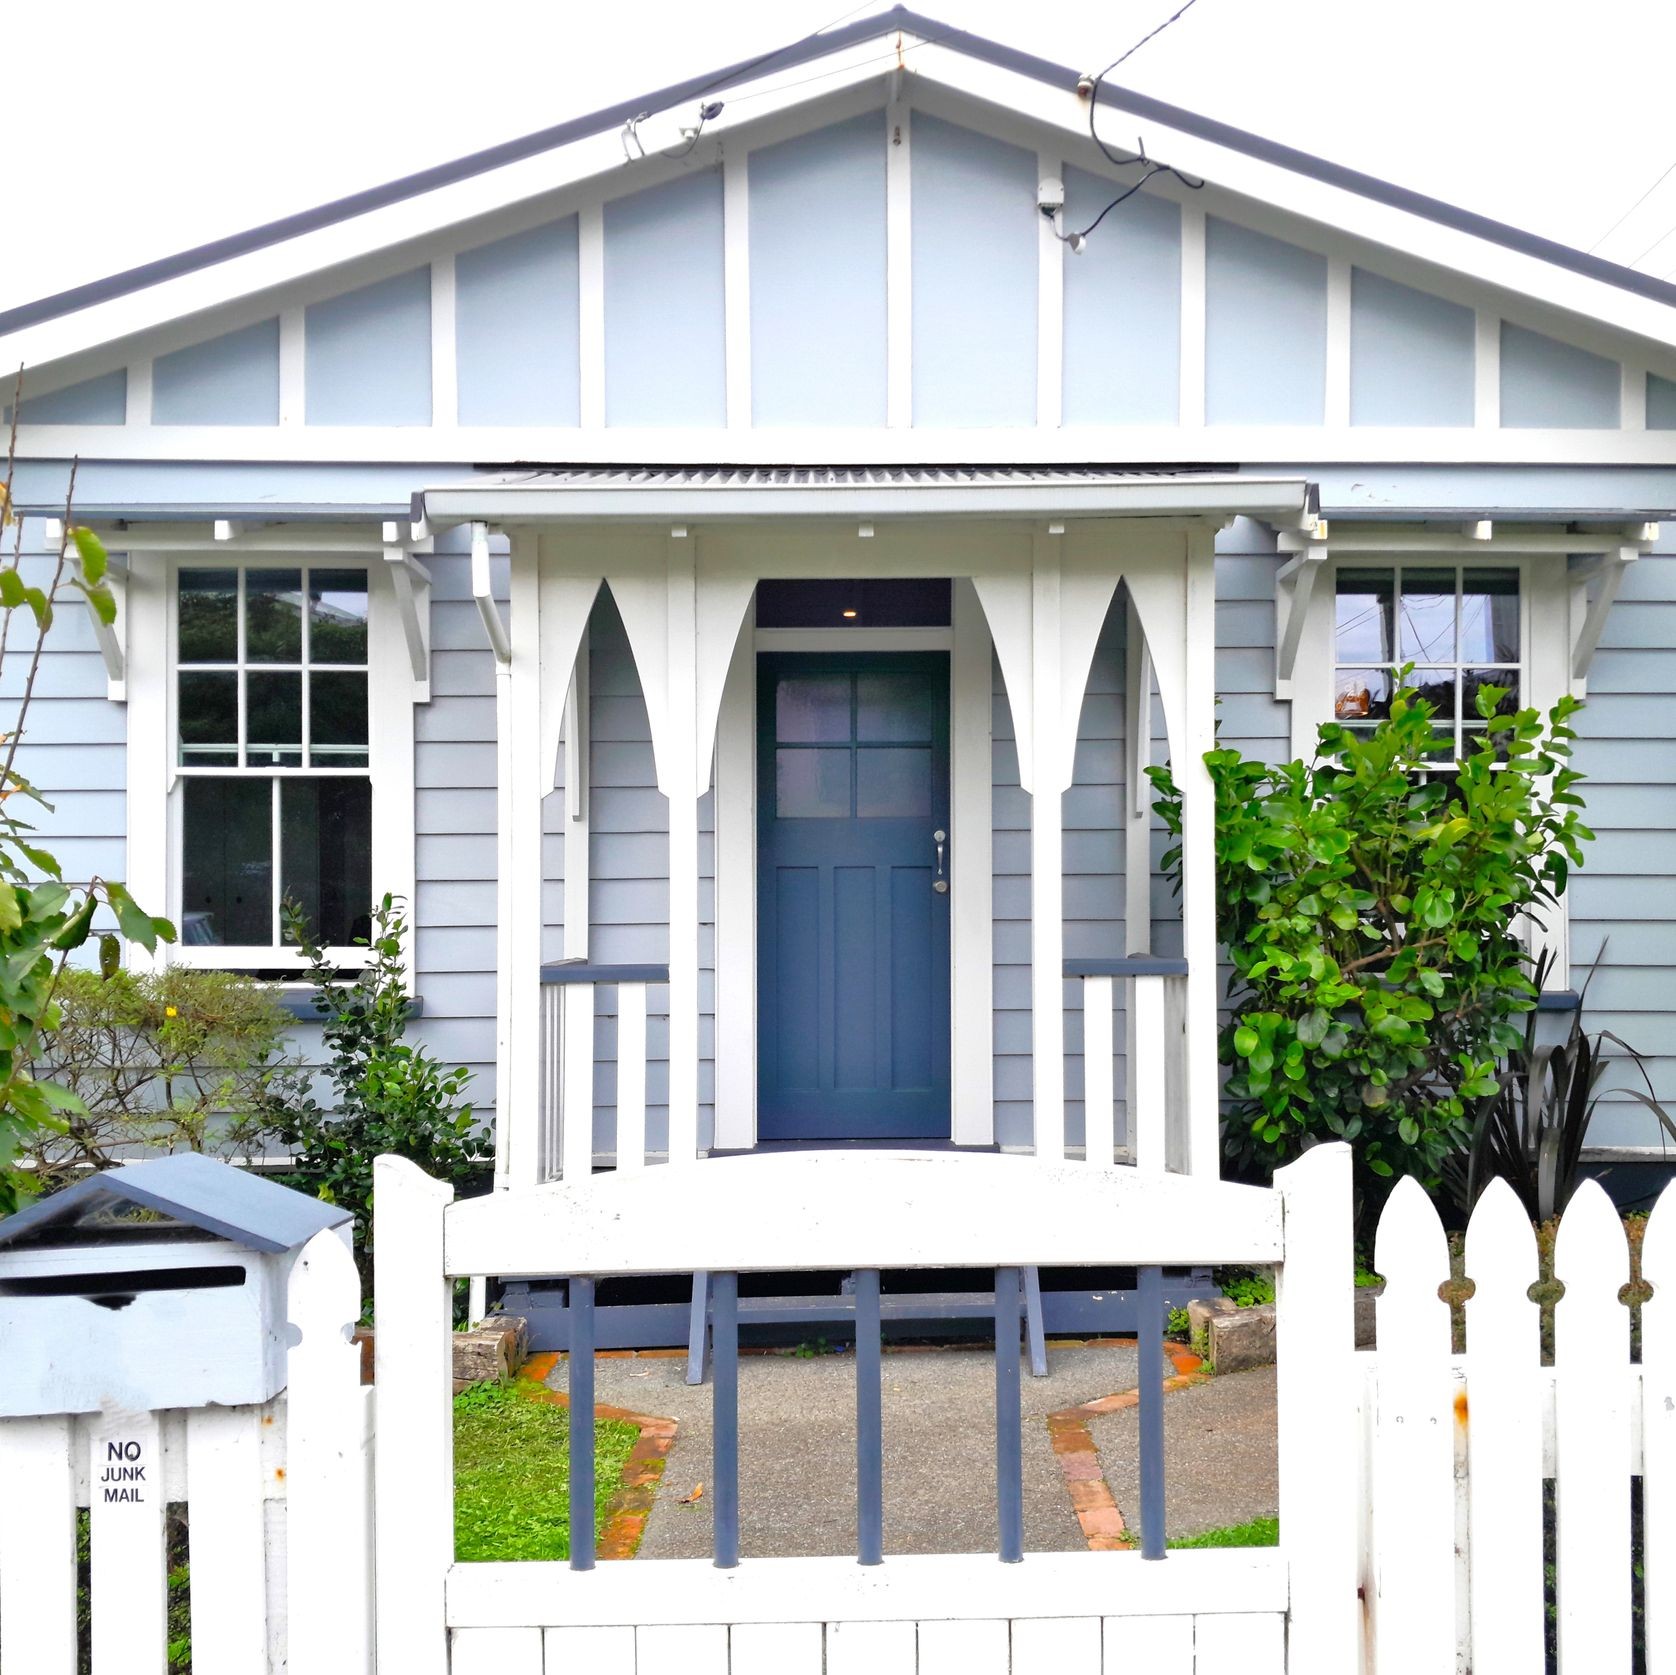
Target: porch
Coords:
[[959, 999]]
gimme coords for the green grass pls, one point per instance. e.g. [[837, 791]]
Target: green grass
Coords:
[[1260, 1532], [512, 1472]]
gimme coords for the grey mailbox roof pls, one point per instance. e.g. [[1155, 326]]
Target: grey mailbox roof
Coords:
[[215, 1197]]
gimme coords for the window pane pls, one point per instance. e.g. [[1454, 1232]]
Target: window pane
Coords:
[[1437, 687], [209, 616], [1362, 695], [326, 855], [273, 719], [337, 721], [1489, 616], [812, 784], [892, 782], [209, 720], [1473, 679], [337, 616], [1428, 616], [273, 621], [837, 603], [813, 711], [889, 708], [227, 862], [1364, 616]]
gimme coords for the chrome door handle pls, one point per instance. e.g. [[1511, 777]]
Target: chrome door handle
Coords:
[[940, 884]]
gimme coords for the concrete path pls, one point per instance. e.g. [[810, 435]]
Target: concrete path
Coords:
[[797, 1449]]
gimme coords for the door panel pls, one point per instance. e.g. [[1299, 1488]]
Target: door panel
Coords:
[[853, 937]]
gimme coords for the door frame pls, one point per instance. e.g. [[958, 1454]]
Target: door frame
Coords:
[[971, 870]]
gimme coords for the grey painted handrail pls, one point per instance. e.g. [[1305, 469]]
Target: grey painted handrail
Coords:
[[1128, 965], [590, 971], [1149, 1331], [869, 1422], [1009, 1420], [724, 1416], [581, 1424]]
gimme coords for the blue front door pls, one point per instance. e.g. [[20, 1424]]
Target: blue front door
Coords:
[[853, 907]]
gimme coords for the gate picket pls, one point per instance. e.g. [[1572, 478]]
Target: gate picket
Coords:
[[1591, 1436], [495, 1651], [37, 1546], [775, 1649], [226, 1542], [1413, 1442], [1658, 1429], [590, 1651], [1504, 1437], [972, 1647]]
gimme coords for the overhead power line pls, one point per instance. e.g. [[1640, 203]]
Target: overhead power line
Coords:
[[1632, 209]]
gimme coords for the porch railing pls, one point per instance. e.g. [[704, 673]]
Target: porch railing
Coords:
[[565, 1139], [1154, 1094]]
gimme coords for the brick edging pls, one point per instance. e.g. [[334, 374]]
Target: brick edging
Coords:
[[627, 1510], [1073, 1445]]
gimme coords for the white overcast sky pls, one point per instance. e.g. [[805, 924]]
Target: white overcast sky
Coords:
[[137, 130]]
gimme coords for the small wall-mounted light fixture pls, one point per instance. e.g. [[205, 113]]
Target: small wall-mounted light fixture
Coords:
[[865, 531], [849, 616]]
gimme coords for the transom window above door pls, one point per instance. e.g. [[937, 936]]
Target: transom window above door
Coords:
[[272, 748], [833, 602], [1458, 624], [853, 745]]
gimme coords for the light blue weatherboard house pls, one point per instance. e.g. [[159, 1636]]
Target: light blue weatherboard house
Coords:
[[729, 558]]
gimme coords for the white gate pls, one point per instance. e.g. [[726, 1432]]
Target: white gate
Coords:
[[1228, 1612]]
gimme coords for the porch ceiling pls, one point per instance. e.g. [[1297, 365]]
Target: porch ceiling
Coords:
[[654, 494]]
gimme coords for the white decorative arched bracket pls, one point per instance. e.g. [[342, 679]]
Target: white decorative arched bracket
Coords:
[[411, 583]]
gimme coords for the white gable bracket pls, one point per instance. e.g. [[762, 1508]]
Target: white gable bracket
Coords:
[[1294, 588], [411, 583], [111, 637], [1606, 571], [500, 642]]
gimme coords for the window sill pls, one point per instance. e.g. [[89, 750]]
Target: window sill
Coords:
[[1559, 1000], [299, 1002]]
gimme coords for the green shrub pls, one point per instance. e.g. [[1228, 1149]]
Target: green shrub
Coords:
[[1370, 903]]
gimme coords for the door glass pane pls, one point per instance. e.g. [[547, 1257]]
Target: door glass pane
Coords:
[[209, 630], [326, 855], [812, 784], [892, 708], [1362, 695], [227, 862], [337, 616], [1489, 616], [1364, 616], [813, 711], [337, 724], [1428, 616], [273, 719], [273, 616], [209, 719], [892, 782]]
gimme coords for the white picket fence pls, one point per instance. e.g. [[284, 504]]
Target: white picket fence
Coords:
[[1458, 1447], [278, 1505], [1412, 1477]]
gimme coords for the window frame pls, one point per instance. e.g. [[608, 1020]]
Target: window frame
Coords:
[[156, 795], [1547, 600]]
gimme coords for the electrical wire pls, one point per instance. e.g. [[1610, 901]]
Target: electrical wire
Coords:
[[1078, 239], [1633, 208]]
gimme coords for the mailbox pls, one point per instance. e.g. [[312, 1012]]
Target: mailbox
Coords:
[[159, 1284]]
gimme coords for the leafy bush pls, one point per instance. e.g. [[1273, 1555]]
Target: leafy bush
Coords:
[[389, 1095], [1370, 904], [176, 1060]]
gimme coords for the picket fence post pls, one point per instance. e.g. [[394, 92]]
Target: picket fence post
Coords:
[[328, 1514], [1591, 1435], [1504, 1437], [38, 1545], [414, 1475], [1412, 1479], [1658, 1432], [1315, 1345]]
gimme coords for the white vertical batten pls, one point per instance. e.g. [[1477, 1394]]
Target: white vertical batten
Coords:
[[1137, 845], [971, 873], [37, 1544], [578, 870], [1336, 408], [1099, 1115], [736, 286], [736, 912], [1192, 413], [1050, 310], [1047, 853], [1632, 396], [137, 408], [445, 374], [1486, 410], [292, 363], [590, 296], [899, 260], [149, 753], [684, 790]]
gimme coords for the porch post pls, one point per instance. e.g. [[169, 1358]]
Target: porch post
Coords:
[[684, 790], [1200, 1140], [525, 780], [1047, 852]]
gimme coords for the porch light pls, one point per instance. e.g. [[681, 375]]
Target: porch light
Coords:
[[850, 616]]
